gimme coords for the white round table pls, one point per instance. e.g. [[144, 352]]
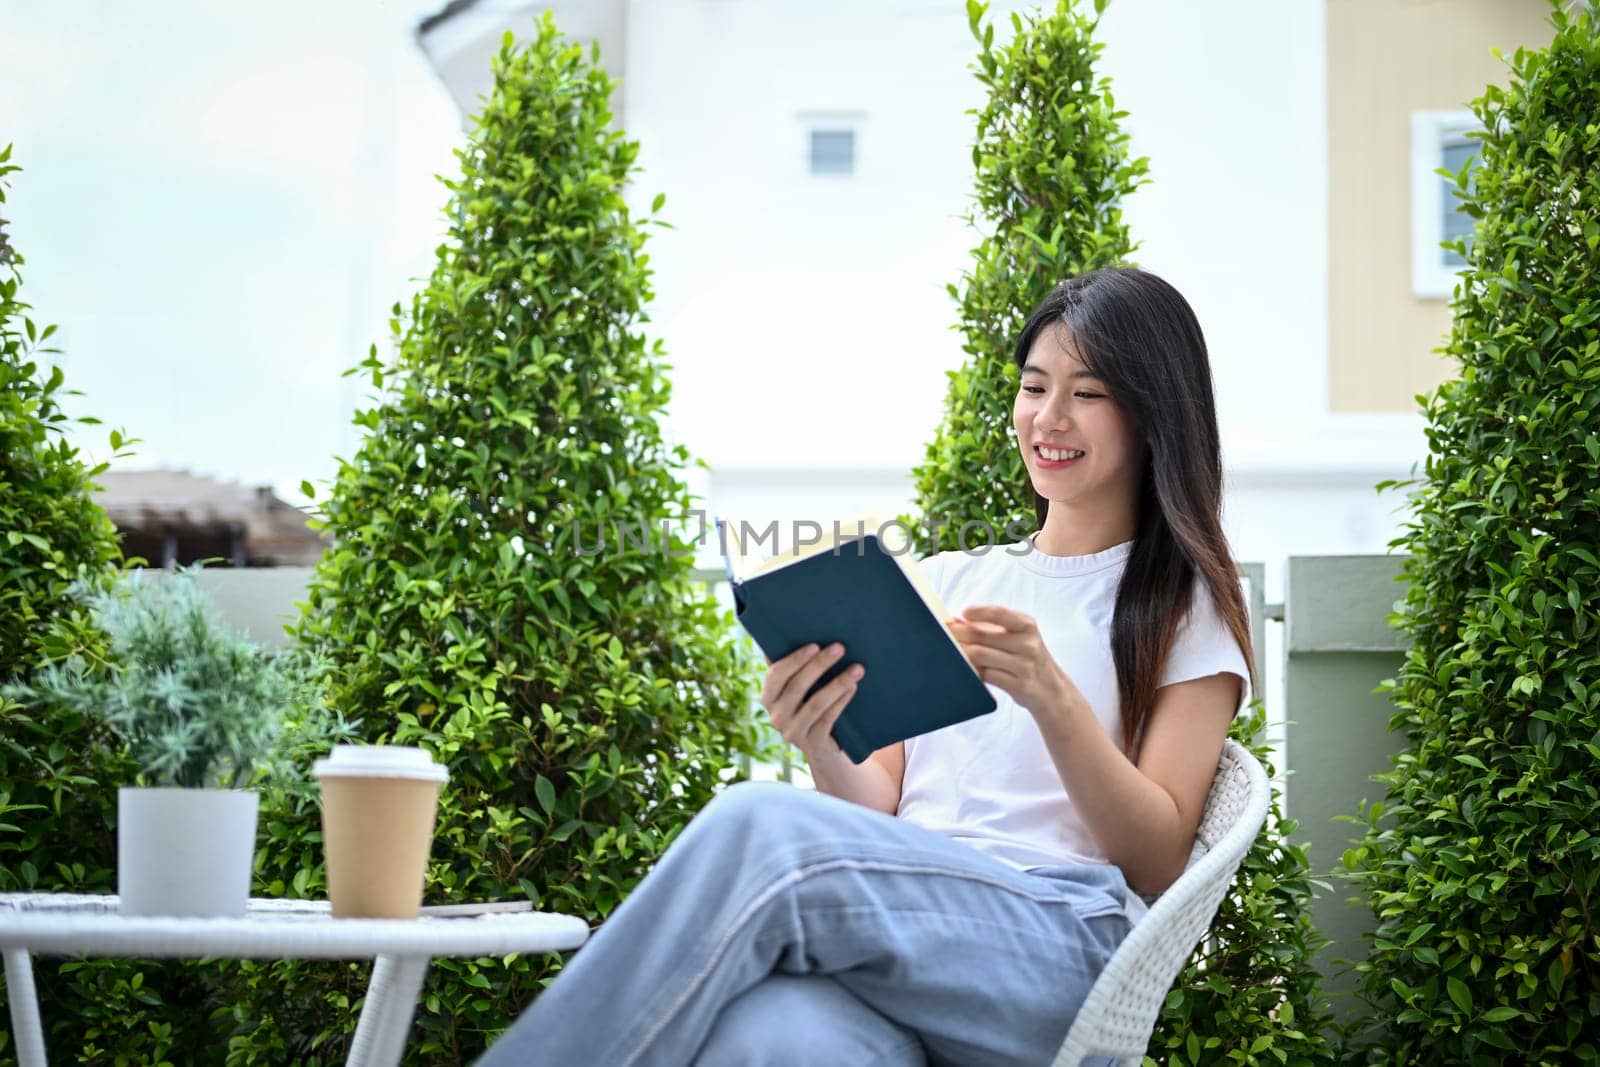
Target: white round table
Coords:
[[62, 924]]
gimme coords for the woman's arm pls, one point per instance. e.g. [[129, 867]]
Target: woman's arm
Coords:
[[1143, 817], [808, 723], [874, 783]]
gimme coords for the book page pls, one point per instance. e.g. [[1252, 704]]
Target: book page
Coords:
[[893, 537], [834, 533], [924, 588]]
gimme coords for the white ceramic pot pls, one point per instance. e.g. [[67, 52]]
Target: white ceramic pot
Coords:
[[185, 851]]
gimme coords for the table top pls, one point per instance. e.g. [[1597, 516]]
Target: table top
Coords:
[[72, 924]]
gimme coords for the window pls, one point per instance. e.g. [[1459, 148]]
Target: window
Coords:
[[1439, 140], [833, 151], [831, 141]]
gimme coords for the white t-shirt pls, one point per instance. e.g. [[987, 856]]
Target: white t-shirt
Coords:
[[989, 782]]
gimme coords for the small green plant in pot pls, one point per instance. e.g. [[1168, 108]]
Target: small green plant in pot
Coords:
[[200, 710]]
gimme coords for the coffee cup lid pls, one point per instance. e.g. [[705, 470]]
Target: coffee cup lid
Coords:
[[379, 761]]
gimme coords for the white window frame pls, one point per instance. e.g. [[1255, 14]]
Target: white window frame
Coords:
[[829, 122], [1431, 277]]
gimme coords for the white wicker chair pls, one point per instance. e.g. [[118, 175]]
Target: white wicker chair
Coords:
[[1120, 1011]]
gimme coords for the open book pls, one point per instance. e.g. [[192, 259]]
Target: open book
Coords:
[[871, 597]]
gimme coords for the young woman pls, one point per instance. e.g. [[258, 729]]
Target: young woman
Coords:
[[953, 898]]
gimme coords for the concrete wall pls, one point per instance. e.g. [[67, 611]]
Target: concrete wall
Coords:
[[1339, 649], [257, 601]]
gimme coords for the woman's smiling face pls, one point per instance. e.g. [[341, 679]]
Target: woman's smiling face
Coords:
[[1080, 448]]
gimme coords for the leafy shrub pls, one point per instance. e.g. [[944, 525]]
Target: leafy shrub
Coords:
[[1052, 172], [1482, 866], [587, 704], [51, 530]]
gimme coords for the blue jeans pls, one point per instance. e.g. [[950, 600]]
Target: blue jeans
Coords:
[[789, 927]]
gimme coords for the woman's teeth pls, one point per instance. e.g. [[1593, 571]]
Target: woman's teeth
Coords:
[[1058, 454]]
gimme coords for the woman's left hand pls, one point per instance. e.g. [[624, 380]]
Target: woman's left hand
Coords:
[[1008, 651]]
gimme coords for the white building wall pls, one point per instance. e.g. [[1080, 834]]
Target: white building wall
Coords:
[[807, 317], [1227, 102]]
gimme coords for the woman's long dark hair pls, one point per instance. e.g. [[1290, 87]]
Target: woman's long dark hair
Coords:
[[1137, 334]]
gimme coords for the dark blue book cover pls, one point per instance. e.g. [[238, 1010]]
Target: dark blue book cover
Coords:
[[856, 593]]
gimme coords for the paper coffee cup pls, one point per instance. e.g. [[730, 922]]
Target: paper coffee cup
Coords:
[[378, 809]]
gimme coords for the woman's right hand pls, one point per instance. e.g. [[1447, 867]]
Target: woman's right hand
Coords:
[[806, 724]]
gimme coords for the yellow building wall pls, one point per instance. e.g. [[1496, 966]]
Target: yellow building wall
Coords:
[[1386, 59]]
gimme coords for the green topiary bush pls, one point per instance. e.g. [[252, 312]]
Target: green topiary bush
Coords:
[[1052, 172], [1053, 169], [1483, 864], [51, 530], [587, 703]]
